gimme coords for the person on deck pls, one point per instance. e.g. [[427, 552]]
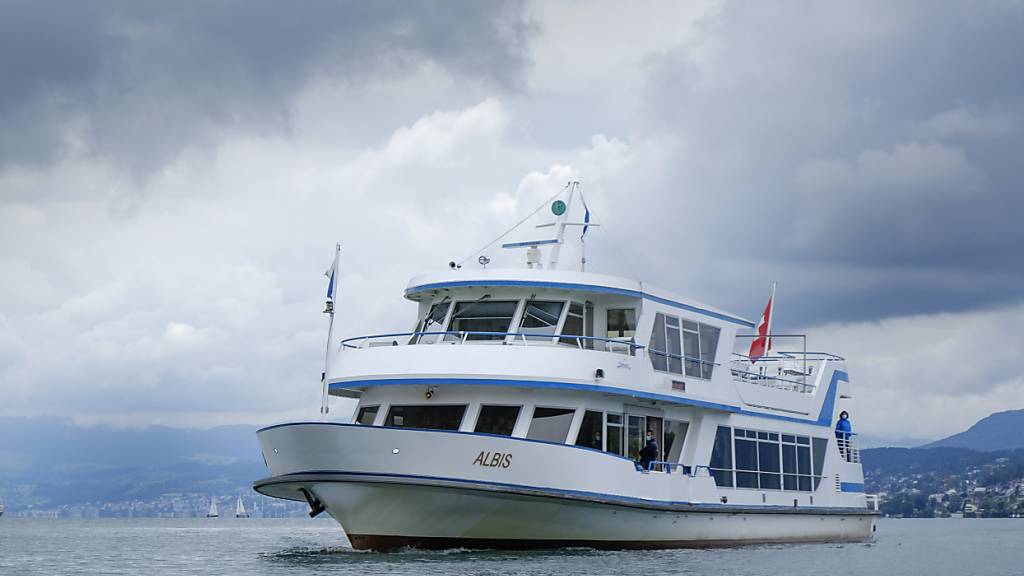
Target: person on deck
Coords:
[[843, 433], [649, 453]]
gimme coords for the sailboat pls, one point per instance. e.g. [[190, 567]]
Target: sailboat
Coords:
[[213, 509], [240, 509]]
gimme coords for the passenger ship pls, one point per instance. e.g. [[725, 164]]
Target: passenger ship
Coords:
[[513, 414]]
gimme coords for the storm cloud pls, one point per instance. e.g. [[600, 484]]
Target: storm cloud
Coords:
[[173, 179], [137, 82]]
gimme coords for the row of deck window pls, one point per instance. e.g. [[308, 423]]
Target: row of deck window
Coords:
[[681, 346], [767, 460], [539, 320], [612, 432]]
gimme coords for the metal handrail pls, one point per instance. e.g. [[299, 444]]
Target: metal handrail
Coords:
[[463, 336], [804, 386], [666, 464], [678, 357], [795, 355]]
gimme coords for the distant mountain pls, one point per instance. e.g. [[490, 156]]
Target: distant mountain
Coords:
[[999, 431], [49, 462]]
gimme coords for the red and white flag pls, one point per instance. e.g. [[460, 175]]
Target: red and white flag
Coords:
[[763, 343]]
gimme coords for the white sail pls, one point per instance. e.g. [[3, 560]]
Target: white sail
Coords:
[[240, 509], [213, 508]]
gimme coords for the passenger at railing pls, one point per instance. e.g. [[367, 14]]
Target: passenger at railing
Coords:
[[649, 453], [843, 433]]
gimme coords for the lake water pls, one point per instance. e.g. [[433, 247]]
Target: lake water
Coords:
[[157, 547]]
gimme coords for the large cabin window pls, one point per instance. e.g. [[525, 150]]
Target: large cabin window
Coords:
[[613, 433], [675, 436], [767, 460], [541, 318], [494, 317], [500, 420], [590, 430], [429, 416], [366, 415], [550, 424], [687, 347], [721, 457]]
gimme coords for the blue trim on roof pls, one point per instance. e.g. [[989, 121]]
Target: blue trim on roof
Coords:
[[581, 287], [532, 384], [851, 487], [534, 243], [824, 416]]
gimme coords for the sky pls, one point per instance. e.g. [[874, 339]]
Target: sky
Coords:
[[173, 179]]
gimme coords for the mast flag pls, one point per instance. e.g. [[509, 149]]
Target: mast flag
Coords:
[[586, 216], [763, 343]]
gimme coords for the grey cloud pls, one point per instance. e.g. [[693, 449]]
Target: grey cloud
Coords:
[[866, 154], [136, 82]]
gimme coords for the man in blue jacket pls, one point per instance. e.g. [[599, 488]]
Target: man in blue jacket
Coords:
[[843, 433]]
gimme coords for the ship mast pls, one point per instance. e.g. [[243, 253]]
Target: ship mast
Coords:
[[332, 273]]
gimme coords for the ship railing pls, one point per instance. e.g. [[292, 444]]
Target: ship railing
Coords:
[[848, 446], [872, 501], [691, 360], [676, 468], [783, 369], [462, 337]]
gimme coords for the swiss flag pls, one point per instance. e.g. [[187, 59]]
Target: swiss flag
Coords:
[[763, 343]]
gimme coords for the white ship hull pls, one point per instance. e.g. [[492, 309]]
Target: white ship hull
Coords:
[[433, 496], [387, 515]]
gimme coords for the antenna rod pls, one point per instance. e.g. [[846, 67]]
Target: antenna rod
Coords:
[[560, 236]]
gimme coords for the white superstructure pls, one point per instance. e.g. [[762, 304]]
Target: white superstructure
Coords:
[[513, 414]]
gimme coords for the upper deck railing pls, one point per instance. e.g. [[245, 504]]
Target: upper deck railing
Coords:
[[782, 369], [617, 345]]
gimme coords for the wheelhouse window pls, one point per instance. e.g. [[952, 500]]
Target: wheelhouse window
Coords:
[[500, 420], [590, 430], [574, 327], [657, 345], [541, 318], [494, 317], [550, 424], [366, 415], [429, 416], [684, 347], [432, 322], [621, 322]]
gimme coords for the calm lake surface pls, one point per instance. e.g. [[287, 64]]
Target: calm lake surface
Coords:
[[156, 547]]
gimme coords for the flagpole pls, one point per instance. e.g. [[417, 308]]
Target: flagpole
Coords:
[[329, 309]]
